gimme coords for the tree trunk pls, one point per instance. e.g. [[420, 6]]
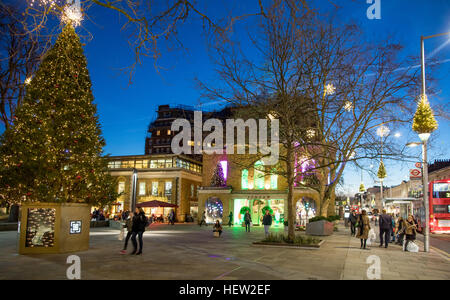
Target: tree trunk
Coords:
[[290, 178], [14, 213]]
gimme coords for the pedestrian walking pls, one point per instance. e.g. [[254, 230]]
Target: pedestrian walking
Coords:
[[230, 219], [385, 222], [129, 227], [172, 217], [363, 226], [410, 231], [140, 221], [203, 221], [352, 219], [267, 222], [247, 220]]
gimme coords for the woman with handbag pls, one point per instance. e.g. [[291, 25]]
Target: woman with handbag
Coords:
[[363, 225], [410, 231]]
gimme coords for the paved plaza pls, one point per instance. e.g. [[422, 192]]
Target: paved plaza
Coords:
[[186, 251]]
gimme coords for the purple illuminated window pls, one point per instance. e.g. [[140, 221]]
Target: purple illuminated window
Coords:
[[224, 165]]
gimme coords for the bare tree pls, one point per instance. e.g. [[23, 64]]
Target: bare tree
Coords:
[[20, 54], [329, 87]]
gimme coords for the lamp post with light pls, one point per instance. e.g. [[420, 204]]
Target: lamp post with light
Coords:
[[424, 128], [382, 132]]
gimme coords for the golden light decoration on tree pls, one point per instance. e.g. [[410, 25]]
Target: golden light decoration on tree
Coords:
[[424, 121], [382, 171], [329, 89], [348, 106]]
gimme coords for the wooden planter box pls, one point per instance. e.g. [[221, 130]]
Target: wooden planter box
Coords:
[[54, 227], [321, 228]]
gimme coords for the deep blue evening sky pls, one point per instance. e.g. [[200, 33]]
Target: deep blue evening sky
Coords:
[[125, 111]]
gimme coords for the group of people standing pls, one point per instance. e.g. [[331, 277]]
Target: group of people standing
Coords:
[[267, 222], [389, 229]]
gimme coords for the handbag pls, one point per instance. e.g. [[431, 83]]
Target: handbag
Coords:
[[216, 234], [121, 234], [412, 247]]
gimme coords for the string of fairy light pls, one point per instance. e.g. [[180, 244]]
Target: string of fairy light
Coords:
[[70, 11]]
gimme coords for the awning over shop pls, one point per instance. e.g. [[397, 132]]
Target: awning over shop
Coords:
[[155, 203]]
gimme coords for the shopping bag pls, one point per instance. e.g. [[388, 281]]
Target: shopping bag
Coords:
[[368, 242], [121, 234], [412, 247], [251, 224], [372, 235], [216, 234]]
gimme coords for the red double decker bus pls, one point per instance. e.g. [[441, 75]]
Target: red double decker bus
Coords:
[[439, 192]]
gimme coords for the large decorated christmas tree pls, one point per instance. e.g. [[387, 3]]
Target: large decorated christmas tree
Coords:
[[53, 150]]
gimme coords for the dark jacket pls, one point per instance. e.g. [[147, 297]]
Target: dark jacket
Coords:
[[353, 218], [139, 221], [267, 220], [385, 222], [247, 218]]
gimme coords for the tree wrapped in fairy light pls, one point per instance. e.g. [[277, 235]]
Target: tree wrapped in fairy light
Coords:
[[53, 150], [218, 179], [424, 121]]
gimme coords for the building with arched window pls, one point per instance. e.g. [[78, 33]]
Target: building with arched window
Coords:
[[250, 186]]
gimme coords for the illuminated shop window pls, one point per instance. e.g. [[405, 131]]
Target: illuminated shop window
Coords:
[[244, 179], [259, 175]]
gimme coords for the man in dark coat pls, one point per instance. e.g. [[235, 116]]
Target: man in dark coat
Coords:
[[352, 219], [267, 222], [385, 222]]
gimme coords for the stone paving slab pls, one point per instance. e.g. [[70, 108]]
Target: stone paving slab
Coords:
[[187, 251]]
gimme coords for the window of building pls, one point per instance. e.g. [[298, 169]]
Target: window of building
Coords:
[[192, 190], [168, 188], [158, 132], [259, 175], [155, 188], [141, 188], [121, 188], [168, 163], [244, 179], [273, 182], [169, 131]]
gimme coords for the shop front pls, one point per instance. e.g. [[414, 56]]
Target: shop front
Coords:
[[256, 208]]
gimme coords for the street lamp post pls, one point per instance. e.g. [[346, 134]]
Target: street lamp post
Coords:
[[382, 131], [424, 138]]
